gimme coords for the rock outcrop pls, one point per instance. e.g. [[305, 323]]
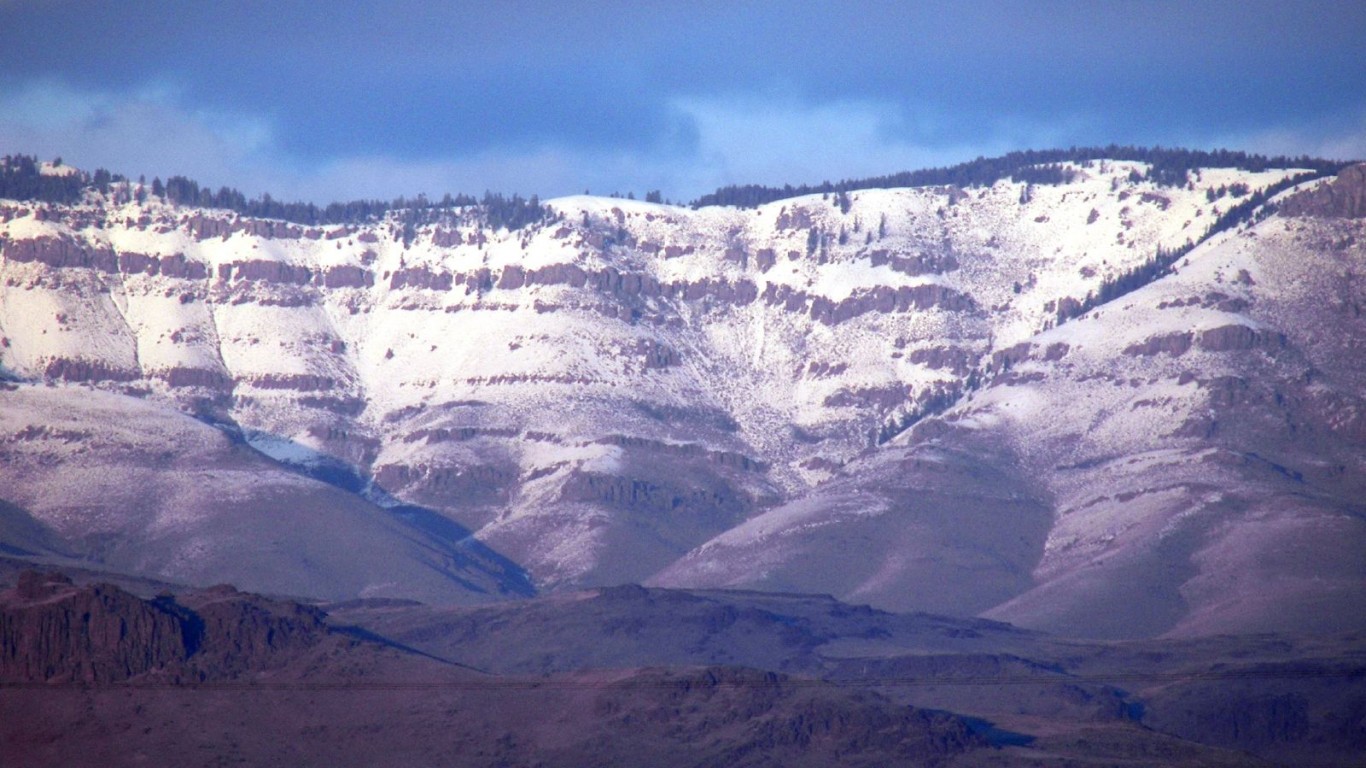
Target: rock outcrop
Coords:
[[1343, 197], [627, 391], [55, 632]]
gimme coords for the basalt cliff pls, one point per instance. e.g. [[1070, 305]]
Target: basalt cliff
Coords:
[[1075, 406]]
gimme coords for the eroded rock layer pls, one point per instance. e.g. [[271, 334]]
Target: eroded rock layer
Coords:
[[627, 391]]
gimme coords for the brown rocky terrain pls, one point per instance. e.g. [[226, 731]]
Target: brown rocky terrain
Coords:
[[97, 634], [94, 675], [1344, 198]]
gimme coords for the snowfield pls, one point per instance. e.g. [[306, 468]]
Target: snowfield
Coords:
[[716, 397]]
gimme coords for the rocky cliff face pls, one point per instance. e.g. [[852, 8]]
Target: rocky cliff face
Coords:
[[627, 384], [94, 675], [1181, 459], [55, 632], [1343, 197]]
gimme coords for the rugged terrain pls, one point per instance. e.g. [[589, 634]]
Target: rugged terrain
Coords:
[[903, 397], [91, 674]]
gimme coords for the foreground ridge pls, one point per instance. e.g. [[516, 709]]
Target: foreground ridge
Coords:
[[585, 678]]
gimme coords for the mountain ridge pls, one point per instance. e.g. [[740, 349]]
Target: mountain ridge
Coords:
[[601, 395], [95, 675]]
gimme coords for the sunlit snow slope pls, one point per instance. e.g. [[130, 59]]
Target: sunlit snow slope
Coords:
[[627, 384]]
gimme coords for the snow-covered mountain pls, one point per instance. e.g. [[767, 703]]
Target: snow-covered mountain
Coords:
[[714, 397]]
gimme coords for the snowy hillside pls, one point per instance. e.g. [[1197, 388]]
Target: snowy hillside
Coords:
[[624, 383]]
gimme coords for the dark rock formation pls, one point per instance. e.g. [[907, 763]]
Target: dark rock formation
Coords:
[[302, 382], [782, 728], [181, 376], [1174, 344], [54, 631], [60, 253], [470, 484], [236, 632], [686, 450], [654, 496], [342, 406], [1308, 712], [70, 369], [879, 299], [918, 264], [1343, 197], [955, 360], [347, 276], [1236, 337], [266, 271], [417, 277], [657, 355], [878, 398], [1005, 358], [456, 434]]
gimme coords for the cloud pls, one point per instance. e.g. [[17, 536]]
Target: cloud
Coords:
[[150, 131], [1336, 140], [142, 131], [779, 141], [360, 98], [776, 142], [714, 141], [545, 172], [732, 141]]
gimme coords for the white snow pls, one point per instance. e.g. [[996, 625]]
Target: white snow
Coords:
[[410, 351]]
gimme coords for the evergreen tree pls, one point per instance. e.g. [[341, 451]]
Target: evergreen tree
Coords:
[[1167, 167]]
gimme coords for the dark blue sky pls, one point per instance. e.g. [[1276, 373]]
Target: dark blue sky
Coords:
[[330, 100]]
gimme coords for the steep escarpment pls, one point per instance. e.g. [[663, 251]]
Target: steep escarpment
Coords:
[[235, 675], [94, 675], [1343, 197], [897, 384], [56, 632], [1192, 451]]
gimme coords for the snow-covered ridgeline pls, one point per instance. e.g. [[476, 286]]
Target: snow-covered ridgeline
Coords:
[[462, 358]]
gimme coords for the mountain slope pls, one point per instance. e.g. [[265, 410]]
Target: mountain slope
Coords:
[[1192, 451], [93, 675], [134, 487], [625, 384]]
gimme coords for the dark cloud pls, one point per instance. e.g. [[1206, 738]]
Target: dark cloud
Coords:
[[450, 83]]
